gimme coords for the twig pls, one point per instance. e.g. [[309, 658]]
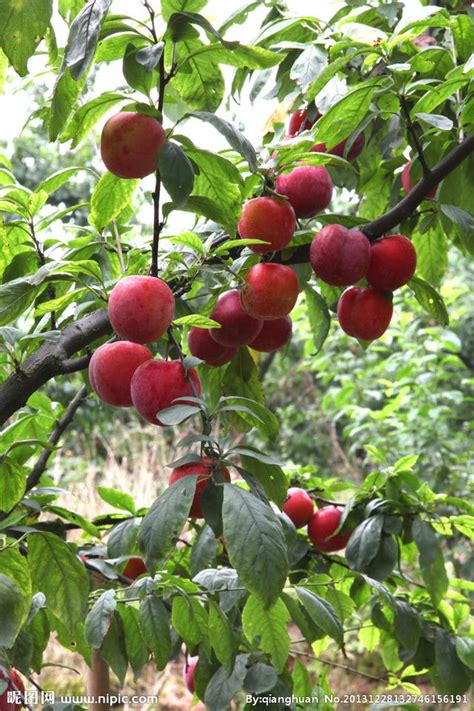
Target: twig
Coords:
[[157, 223], [61, 426], [414, 136], [340, 666]]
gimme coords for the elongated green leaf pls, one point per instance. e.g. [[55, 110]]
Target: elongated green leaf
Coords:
[[65, 94], [111, 195], [15, 594], [13, 483], [137, 651], [17, 295], [271, 476], [118, 499], [235, 137], [309, 64], [430, 300], [168, 7], [202, 87], [83, 37], [322, 613], [165, 520], [364, 543], [222, 638], [431, 560], [99, 618], [432, 254], [452, 676], [432, 99], [177, 172], [190, 620], [319, 317], [113, 649], [341, 119], [86, 117], [255, 543], [243, 56], [223, 686], [331, 70], [59, 574], [155, 627], [22, 27], [270, 626]]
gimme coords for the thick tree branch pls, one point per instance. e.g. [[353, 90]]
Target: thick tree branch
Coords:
[[61, 426], [51, 359]]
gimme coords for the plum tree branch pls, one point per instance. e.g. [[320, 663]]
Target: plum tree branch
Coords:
[[53, 359], [413, 134]]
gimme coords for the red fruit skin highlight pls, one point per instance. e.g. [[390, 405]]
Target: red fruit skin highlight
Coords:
[[298, 507], [203, 470], [273, 336], [307, 187], [270, 291], [15, 683], [392, 263], [340, 256], [364, 313], [141, 308], [322, 525], [270, 219], [158, 383], [238, 328], [111, 369], [203, 346], [299, 122], [130, 144], [188, 673]]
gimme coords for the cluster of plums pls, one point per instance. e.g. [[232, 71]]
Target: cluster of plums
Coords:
[[14, 683]]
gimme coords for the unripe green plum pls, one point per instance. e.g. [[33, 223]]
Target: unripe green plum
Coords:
[[111, 369], [204, 469], [340, 256], [130, 144], [270, 291], [270, 219], [392, 263], [307, 187], [237, 327], [141, 308], [364, 313], [157, 384]]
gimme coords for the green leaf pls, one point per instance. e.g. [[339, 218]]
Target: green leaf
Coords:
[[77, 519], [85, 118], [117, 499], [177, 172], [123, 538], [407, 625], [219, 181], [190, 620], [432, 254], [270, 626], [99, 618], [255, 543], [331, 70], [137, 651], [168, 7], [15, 594], [364, 543], [431, 560], [465, 650], [234, 137], [221, 636], [271, 476], [430, 300], [441, 122], [196, 320], [111, 195], [459, 216], [322, 613], [113, 650], [341, 119], [65, 94], [202, 88], [243, 56], [176, 414], [309, 64], [17, 295], [463, 35], [13, 483], [432, 99], [260, 678], [451, 676], [155, 627], [60, 575], [136, 74], [223, 686], [83, 37], [57, 180], [150, 57], [319, 317], [22, 27], [165, 520]]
